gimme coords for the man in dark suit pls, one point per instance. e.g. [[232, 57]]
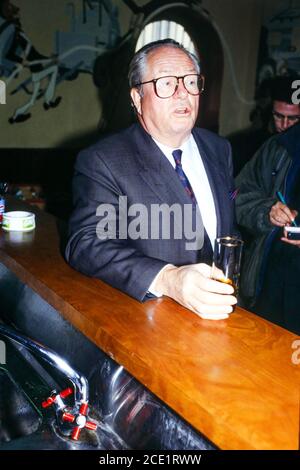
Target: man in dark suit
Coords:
[[161, 163]]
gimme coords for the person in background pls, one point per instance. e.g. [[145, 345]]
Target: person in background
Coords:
[[270, 280], [276, 114], [285, 113], [161, 160]]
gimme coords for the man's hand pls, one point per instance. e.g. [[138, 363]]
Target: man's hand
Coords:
[[192, 287], [290, 242], [280, 215]]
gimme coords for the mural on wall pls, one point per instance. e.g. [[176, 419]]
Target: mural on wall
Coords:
[[280, 46], [91, 33]]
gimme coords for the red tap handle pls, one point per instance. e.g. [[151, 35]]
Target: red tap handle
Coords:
[[63, 394], [83, 409], [87, 424], [48, 402], [91, 425], [75, 433], [68, 417], [80, 418]]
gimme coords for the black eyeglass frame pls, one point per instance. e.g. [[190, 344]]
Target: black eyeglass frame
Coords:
[[154, 81]]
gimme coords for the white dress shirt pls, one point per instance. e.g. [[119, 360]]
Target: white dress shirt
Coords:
[[193, 167]]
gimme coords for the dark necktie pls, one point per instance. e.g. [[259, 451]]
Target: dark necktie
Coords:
[[182, 176], [206, 251]]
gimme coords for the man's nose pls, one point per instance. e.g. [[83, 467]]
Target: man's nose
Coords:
[[181, 90], [285, 123]]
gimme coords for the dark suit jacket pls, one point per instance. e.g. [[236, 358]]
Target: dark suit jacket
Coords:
[[130, 163]]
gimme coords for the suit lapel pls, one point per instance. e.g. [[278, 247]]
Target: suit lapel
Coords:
[[210, 162], [156, 170], [160, 176]]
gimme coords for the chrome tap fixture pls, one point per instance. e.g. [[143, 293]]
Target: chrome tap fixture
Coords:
[[71, 420]]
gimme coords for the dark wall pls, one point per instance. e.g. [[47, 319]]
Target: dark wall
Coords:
[[50, 168]]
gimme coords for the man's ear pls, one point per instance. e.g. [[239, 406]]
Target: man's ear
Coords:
[[136, 100]]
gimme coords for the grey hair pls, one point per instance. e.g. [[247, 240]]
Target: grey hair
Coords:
[[138, 63]]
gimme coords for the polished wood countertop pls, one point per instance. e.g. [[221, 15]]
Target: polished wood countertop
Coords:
[[233, 380]]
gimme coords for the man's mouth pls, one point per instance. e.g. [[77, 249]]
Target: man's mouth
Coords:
[[182, 110]]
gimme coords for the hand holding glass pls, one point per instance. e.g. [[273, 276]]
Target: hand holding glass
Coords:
[[227, 261]]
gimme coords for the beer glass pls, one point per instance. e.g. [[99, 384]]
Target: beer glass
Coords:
[[227, 261]]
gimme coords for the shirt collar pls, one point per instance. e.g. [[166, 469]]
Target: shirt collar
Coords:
[[187, 144]]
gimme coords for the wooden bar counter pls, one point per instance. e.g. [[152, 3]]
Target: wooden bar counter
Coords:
[[232, 380]]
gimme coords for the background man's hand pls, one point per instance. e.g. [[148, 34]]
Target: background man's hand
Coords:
[[280, 215], [192, 287], [290, 242]]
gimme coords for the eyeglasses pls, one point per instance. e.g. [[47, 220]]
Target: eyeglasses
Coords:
[[282, 117], [165, 87]]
